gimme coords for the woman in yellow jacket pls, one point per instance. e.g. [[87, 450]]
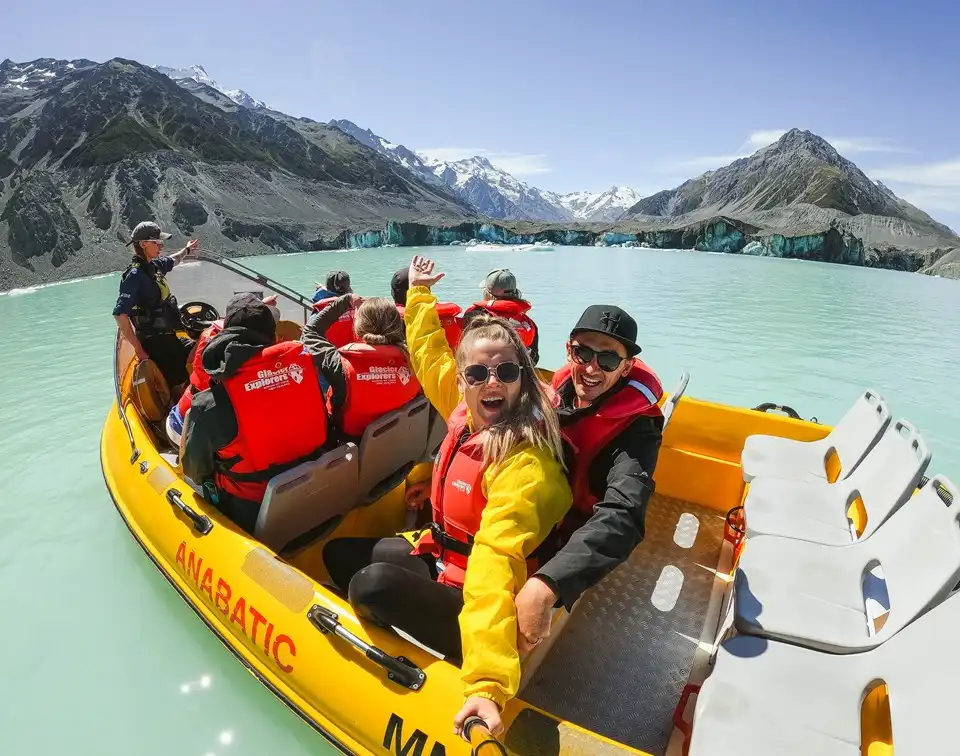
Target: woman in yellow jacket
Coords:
[[498, 491]]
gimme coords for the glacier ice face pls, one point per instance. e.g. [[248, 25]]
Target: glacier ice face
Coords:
[[365, 239]]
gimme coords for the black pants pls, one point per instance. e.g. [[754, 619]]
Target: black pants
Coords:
[[388, 585], [170, 355]]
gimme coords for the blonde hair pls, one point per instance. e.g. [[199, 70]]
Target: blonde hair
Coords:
[[377, 321], [533, 419]]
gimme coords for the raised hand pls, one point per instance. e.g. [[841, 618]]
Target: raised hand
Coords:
[[191, 246], [421, 272]]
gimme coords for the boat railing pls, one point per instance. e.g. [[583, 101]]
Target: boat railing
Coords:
[[238, 268], [121, 410]]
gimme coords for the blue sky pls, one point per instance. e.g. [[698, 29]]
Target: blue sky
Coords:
[[569, 95]]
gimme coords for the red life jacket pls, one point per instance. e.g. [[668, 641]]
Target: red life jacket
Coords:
[[279, 384], [199, 380], [514, 311], [379, 380], [593, 432], [340, 333], [457, 498], [456, 494], [450, 321]]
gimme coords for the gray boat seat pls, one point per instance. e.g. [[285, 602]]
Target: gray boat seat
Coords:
[[389, 448], [302, 499], [851, 439], [671, 404], [766, 698], [816, 595], [436, 434], [814, 510]]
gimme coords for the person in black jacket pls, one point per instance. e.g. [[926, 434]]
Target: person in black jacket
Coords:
[[146, 311], [211, 423], [620, 477]]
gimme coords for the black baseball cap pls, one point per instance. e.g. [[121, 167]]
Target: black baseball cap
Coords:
[[248, 311], [146, 231], [611, 321], [338, 282], [399, 285]]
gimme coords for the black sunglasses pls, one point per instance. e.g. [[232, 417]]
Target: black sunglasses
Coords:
[[607, 360], [506, 372]]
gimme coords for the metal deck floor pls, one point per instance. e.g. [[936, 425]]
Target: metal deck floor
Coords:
[[620, 664]]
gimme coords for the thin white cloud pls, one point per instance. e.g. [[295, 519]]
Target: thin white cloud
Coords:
[[945, 174], [516, 163], [856, 145], [931, 186], [762, 138]]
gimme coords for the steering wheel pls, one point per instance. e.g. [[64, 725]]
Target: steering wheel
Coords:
[[196, 316]]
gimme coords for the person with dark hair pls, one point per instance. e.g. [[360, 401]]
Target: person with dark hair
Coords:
[[338, 284], [502, 298], [146, 311], [340, 331], [265, 411], [607, 401], [199, 380], [448, 312]]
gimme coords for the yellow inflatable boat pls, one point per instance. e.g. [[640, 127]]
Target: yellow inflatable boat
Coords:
[[609, 681]]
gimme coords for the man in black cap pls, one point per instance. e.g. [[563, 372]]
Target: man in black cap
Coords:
[[614, 454], [265, 410], [338, 284], [146, 312]]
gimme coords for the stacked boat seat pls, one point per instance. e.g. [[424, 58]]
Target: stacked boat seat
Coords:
[[436, 432], [671, 404], [850, 440], [766, 697], [816, 595], [309, 499], [390, 447], [812, 509]]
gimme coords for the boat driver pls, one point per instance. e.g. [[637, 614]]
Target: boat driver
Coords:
[[146, 311]]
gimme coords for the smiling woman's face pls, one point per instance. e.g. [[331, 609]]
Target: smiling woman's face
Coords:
[[490, 399]]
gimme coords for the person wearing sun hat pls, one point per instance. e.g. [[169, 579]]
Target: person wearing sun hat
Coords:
[[146, 310], [607, 403]]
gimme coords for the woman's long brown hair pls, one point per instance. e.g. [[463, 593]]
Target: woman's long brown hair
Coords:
[[533, 418]]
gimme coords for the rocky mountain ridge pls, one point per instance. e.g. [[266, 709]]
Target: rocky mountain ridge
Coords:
[[799, 184], [88, 150]]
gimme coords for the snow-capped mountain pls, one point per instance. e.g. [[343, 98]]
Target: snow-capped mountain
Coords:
[[396, 152], [37, 74], [599, 206], [493, 191], [200, 76]]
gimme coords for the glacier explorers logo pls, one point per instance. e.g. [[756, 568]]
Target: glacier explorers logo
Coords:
[[386, 375], [277, 378]]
